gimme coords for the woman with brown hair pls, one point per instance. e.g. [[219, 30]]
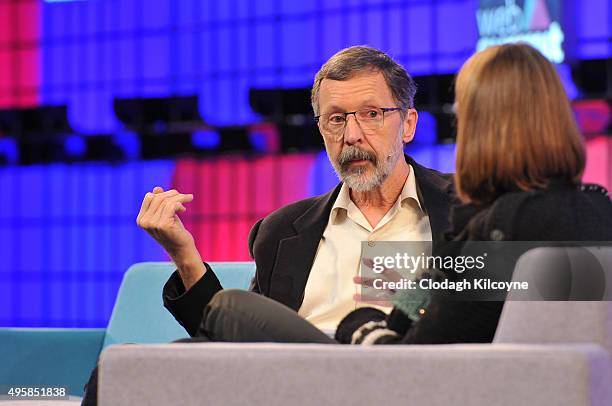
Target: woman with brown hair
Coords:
[[520, 158], [516, 130]]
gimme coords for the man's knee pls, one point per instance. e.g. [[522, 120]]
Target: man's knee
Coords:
[[220, 311], [228, 299]]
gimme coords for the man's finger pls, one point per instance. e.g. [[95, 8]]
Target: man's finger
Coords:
[[372, 300], [158, 199], [162, 214], [173, 204], [148, 198], [170, 208], [391, 275], [146, 202], [181, 198], [186, 197], [385, 277], [368, 262], [159, 191], [360, 280]]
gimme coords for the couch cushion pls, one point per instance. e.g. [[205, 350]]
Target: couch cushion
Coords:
[[139, 315], [322, 374]]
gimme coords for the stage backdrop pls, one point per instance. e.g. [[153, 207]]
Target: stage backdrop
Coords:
[[68, 232]]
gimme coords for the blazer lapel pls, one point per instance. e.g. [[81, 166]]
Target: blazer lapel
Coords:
[[296, 254]]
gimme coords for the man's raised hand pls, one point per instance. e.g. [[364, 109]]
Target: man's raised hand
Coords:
[[159, 217]]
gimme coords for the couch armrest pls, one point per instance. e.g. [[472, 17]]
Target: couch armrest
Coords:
[[307, 374], [43, 356]]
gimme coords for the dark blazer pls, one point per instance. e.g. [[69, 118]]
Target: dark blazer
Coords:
[[562, 212], [284, 245]]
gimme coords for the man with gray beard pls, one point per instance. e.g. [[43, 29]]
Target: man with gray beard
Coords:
[[308, 253]]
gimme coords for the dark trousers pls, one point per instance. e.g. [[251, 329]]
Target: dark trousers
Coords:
[[235, 315]]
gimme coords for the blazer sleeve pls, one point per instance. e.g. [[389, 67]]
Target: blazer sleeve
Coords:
[[254, 287], [187, 306]]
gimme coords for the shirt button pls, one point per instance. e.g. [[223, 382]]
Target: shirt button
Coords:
[[497, 235]]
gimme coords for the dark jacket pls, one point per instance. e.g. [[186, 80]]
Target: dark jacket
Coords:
[[562, 212], [284, 245]]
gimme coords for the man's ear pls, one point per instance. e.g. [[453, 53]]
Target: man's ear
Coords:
[[410, 122]]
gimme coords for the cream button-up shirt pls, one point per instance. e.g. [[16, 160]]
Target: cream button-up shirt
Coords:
[[328, 296]]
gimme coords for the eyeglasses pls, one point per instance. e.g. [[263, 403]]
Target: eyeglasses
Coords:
[[371, 119]]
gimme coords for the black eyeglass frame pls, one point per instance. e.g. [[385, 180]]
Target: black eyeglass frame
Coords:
[[346, 114]]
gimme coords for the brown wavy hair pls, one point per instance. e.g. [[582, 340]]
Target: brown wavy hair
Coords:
[[515, 126]]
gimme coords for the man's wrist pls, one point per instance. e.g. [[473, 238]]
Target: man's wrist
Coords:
[[189, 265]]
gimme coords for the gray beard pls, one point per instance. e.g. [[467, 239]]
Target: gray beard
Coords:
[[361, 179]]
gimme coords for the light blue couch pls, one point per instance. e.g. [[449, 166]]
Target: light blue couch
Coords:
[[66, 356]]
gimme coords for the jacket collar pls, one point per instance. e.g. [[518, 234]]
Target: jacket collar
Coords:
[[318, 214], [296, 254]]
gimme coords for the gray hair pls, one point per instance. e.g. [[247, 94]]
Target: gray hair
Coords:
[[350, 61]]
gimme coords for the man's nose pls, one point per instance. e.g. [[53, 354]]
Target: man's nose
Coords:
[[352, 131]]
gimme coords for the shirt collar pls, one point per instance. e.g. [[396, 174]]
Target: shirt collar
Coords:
[[409, 192]]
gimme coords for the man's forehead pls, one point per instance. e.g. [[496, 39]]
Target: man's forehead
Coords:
[[368, 84], [366, 75]]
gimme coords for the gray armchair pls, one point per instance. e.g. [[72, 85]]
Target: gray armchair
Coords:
[[544, 353]]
